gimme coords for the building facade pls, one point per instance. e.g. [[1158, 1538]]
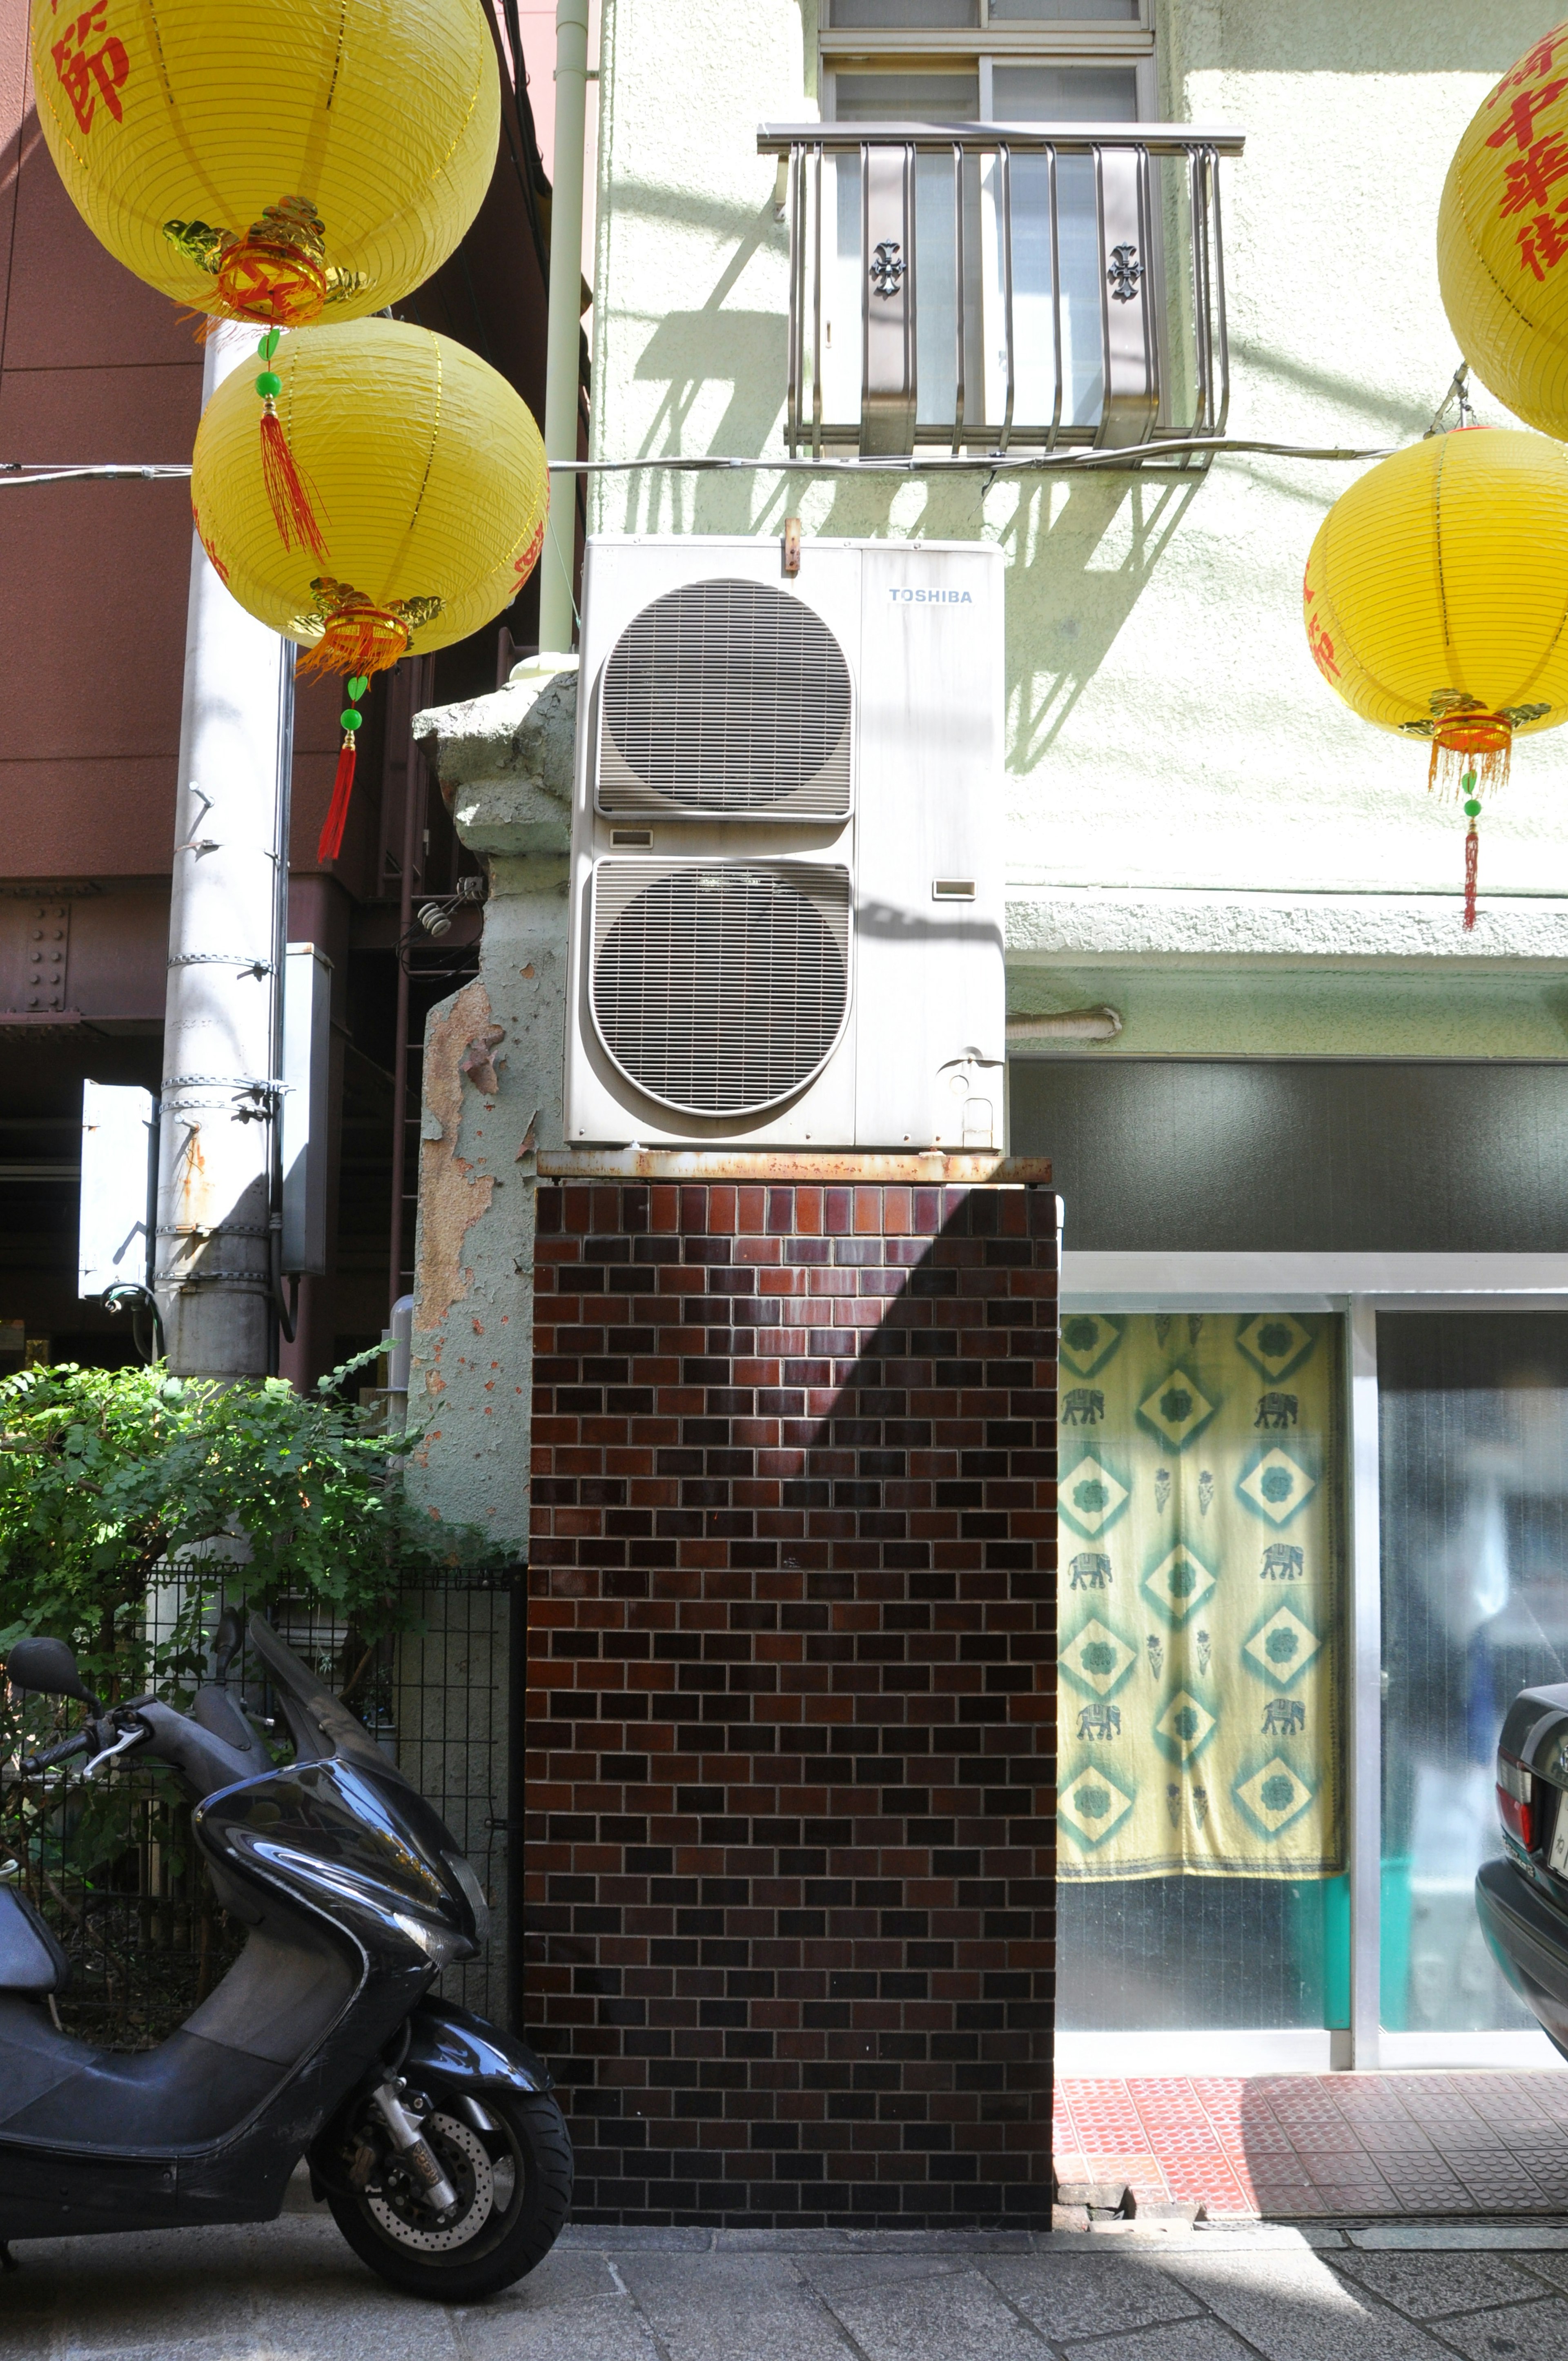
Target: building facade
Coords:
[[1308, 1135], [98, 370]]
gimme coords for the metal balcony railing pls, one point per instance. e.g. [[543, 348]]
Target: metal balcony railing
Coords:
[[984, 286]]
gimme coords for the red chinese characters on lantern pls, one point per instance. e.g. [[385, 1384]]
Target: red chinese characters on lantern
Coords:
[[1543, 242], [91, 64], [1531, 174], [1318, 640], [1533, 63], [1518, 123], [1530, 178]]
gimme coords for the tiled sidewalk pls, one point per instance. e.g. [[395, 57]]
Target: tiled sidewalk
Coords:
[[1296, 2146]]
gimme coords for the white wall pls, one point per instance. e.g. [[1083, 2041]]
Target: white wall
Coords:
[[1173, 752]]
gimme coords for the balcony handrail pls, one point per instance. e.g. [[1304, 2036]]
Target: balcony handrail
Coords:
[[1133, 401], [1023, 138]]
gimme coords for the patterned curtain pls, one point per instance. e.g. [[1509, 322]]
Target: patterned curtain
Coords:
[[1201, 1590]]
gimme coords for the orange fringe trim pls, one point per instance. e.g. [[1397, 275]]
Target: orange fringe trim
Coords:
[[357, 639], [1481, 744], [336, 819], [274, 285], [288, 491]]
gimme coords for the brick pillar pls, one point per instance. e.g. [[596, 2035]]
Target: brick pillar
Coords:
[[792, 1710]]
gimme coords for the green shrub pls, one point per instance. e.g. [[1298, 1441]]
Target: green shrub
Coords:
[[106, 1475]]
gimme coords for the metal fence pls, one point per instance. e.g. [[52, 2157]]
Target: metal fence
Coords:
[[112, 1863]]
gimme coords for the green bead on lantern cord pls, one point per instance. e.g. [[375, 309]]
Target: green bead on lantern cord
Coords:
[[268, 384], [1472, 809], [352, 720]]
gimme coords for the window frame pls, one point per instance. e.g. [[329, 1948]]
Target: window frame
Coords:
[[1088, 41], [1358, 1286]]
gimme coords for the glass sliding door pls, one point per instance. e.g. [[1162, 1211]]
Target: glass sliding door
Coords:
[[1200, 1791], [1473, 1480]]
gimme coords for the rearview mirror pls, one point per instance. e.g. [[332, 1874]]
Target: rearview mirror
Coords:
[[227, 1634], [49, 1668]]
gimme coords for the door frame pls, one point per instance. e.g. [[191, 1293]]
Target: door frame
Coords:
[[1357, 1287]]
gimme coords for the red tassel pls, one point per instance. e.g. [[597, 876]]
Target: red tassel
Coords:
[[331, 844], [1472, 864], [287, 489]]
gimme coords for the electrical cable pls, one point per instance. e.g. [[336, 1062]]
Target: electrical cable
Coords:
[[1129, 457]]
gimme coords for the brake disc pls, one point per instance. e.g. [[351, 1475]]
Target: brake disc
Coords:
[[410, 2221]]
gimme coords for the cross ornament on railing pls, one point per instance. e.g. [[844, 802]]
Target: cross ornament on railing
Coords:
[[887, 269], [1124, 273]]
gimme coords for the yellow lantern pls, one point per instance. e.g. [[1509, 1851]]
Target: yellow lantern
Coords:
[[1436, 599], [262, 159], [1502, 237], [431, 491]]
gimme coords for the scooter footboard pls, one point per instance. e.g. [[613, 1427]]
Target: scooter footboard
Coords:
[[448, 2047]]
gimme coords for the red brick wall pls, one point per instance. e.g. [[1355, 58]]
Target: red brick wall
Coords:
[[792, 1699]]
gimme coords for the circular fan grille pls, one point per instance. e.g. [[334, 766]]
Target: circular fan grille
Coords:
[[721, 990], [729, 697]]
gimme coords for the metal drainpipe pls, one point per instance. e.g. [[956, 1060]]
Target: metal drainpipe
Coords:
[[218, 1100], [561, 368]]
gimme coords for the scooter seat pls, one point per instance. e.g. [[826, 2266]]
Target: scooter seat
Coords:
[[30, 1959]]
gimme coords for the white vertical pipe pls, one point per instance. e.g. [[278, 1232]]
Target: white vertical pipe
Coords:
[[557, 613], [215, 1151], [1364, 1718]]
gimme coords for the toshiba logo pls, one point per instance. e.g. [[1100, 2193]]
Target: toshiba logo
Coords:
[[904, 597]]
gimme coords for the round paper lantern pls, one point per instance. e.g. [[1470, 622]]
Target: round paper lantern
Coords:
[[429, 485], [1436, 600], [1502, 237], [263, 159]]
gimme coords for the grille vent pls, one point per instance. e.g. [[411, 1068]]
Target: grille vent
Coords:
[[726, 698], [720, 987]]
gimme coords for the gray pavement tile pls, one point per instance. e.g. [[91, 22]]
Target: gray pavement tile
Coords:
[[1428, 2286], [956, 2315], [120, 2295], [614, 2239], [828, 2272], [1295, 2308], [1074, 2295], [1538, 2238], [700, 2310], [600, 2328], [315, 2300], [1533, 2331], [1552, 2268], [1194, 2340], [568, 2275]]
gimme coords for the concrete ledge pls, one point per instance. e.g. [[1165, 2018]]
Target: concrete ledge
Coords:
[[788, 1164], [1226, 929]]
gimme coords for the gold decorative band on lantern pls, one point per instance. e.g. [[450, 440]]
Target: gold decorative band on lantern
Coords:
[[277, 274], [1467, 739], [349, 633]]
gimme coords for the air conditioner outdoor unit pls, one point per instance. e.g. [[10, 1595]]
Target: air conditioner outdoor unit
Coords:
[[786, 855]]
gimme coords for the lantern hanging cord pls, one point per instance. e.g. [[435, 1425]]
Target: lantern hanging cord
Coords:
[[1459, 390], [1128, 456]]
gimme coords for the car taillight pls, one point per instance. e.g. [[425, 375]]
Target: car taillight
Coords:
[[1515, 1801]]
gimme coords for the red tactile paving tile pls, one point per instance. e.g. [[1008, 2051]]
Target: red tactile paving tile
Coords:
[[1297, 2145]]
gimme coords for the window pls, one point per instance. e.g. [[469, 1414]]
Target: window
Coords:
[[1023, 61], [1031, 60]]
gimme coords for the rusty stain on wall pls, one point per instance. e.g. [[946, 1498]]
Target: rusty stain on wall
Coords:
[[453, 1197]]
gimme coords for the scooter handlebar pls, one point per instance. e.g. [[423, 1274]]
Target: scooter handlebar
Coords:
[[76, 1744]]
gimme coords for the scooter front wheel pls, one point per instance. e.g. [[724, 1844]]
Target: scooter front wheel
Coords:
[[510, 2160]]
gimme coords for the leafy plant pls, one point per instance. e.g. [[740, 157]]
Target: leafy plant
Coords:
[[107, 1475]]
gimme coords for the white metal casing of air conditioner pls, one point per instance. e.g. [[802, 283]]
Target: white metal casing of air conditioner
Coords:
[[918, 1061]]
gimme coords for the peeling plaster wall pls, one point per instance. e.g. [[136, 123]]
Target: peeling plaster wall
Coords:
[[493, 1064], [1171, 742]]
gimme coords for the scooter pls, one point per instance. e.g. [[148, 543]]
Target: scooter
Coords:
[[432, 2135]]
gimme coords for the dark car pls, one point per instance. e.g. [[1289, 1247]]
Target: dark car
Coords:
[[1523, 1898]]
